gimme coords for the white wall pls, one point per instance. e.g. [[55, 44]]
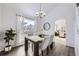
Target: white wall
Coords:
[[63, 11], [1, 43], [71, 19], [67, 11], [77, 32], [0, 18], [7, 20]]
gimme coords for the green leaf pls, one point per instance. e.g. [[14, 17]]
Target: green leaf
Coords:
[[9, 35]]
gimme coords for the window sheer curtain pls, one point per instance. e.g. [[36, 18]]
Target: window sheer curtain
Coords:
[[25, 26], [20, 35]]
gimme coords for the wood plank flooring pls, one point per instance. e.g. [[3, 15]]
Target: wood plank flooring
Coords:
[[62, 50], [58, 50]]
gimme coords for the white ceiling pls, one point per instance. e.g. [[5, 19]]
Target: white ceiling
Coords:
[[29, 9]]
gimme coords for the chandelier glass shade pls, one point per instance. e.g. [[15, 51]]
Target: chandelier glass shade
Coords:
[[40, 13]]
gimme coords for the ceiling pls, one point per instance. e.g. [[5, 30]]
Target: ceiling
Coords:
[[29, 9]]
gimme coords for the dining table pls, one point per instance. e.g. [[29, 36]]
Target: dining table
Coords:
[[36, 40]]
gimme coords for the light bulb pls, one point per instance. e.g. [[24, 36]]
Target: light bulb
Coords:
[[44, 14], [40, 13]]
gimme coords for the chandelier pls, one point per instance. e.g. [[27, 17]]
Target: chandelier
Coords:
[[40, 13]]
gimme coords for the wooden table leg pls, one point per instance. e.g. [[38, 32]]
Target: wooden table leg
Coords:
[[26, 46], [36, 49]]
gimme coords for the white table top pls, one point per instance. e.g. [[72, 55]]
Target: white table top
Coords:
[[34, 38]]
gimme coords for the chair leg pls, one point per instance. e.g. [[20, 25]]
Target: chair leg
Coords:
[[42, 53], [51, 46], [47, 50]]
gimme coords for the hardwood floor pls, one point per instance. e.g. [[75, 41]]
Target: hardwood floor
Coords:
[[18, 51], [62, 50], [58, 50]]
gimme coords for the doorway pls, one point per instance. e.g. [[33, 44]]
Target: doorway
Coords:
[[60, 31]]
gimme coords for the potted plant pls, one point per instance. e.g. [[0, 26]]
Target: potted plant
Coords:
[[9, 35]]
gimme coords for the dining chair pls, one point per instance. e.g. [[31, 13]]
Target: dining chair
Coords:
[[45, 44], [51, 42]]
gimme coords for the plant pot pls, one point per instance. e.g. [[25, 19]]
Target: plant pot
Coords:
[[8, 48]]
